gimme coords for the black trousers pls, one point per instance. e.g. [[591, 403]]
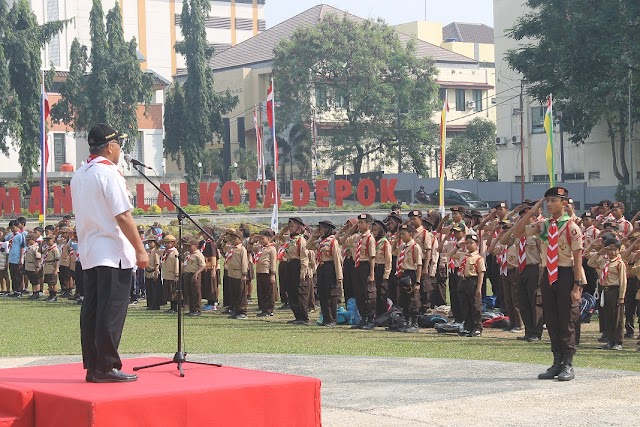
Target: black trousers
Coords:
[[79, 278], [392, 291], [438, 287], [631, 306], [237, 295], [470, 304], [282, 282], [265, 292], [15, 270], [410, 301], [382, 290], [613, 320], [349, 276], [106, 298], [454, 281], [560, 313], [297, 291], [530, 300], [328, 292], [365, 291], [154, 293]]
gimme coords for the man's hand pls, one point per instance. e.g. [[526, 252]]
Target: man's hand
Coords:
[[371, 279], [272, 279], [142, 258], [620, 301], [576, 294]]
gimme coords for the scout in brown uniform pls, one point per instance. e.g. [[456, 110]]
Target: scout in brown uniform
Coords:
[[209, 280], [590, 234], [236, 265], [613, 283], [472, 268], [348, 265], [562, 279], [382, 269], [295, 251], [152, 274], [393, 222], [170, 271], [507, 247], [32, 265], [493, 269], [266, 265], [529, 294], [455, 239], [424, 239], [408, 269], [327, 250], [64, 274], [50, 259], [311, 277], [364, 258], [193, 266]]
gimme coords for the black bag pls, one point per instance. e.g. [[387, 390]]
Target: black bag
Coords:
[[430, 320], [405, 283], [386, 318]]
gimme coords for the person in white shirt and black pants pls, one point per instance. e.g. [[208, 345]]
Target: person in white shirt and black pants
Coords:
[[111, 248]]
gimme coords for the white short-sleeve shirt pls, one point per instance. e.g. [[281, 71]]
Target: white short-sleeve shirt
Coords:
[[99, 193]]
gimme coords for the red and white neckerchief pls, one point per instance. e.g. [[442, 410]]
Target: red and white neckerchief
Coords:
[[605, 270], [93, 159], [522, 254], [625, 225], [463, 264], [188, 258], [205, 244], [403, 253], [502, 260], [552, 251], [11, 241], [49, 249], [166, 254], [256, 256], [229, 254], [590, 235], [451, 265], [325, 243], [358, 251]]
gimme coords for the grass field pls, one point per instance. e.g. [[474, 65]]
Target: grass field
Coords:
[[36, 328]]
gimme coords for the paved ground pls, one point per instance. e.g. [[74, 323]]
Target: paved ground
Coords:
[[407, 392]]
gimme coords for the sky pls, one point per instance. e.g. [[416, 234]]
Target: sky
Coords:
[[392, 11]]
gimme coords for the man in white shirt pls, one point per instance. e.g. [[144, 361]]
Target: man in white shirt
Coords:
[[111, 248]]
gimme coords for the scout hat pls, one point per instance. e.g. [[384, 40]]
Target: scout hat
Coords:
[[189, 241], [608, 224], [327, 224], [500, 205], [587, 214], [618, 205], [408, 228], [561, 192], [460, 209], [524, 210], [609, 239], [169, 238], [151, 238], [458, 228], [604, 203], [267, 232], [31, 236], [528, 202], [471, 237], [394, 216], [295, 219], [381, 225], [415, 212], [102, 133], [427, 221], [236, 233], [476, 213], [365, 217]]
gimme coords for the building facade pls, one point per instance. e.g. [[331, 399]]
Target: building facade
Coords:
[[590, 162]]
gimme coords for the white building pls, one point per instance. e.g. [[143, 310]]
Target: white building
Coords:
[[590, 162], [155, 24]]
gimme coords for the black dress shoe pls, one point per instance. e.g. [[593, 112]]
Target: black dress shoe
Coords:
[[113, 376], [89, 377]]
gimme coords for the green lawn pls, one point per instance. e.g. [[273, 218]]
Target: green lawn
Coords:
[[36, 328]]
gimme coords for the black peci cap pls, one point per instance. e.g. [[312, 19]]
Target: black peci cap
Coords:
[[327, 224], [297, 220], [408, 228], [381, 225], [365, 217], [561, 192], [102, 133], [415, 212]]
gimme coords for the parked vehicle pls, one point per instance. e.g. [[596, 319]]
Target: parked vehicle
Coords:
[[454, 196]]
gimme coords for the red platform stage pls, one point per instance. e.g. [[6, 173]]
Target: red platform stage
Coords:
[[57, 395]]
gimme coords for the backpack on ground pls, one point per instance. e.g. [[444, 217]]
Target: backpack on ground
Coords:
[[587, 307], [449, 327], [430, 320], [385, 319]]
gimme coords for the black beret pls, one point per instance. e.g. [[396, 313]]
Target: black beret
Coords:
[[415, 212], [365, 217], [557, 192]]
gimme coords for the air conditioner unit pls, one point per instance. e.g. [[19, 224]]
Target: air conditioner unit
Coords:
[[501, 140], [515, 140], [471, 105]]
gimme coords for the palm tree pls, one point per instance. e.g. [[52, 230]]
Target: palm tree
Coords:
[[247, 164], [296, 148]]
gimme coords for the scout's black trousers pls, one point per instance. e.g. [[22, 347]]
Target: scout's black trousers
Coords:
[[106, 298], [328, 291], [297, 290], [365, 291], [560, 313], [530, 300], [470, 304]]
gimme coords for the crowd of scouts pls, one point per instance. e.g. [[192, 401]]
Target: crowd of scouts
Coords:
[[539, 267]]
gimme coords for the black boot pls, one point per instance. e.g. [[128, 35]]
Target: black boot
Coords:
[[566, 374], [360, 324], [369, 325], [413, 326], [554, 370]]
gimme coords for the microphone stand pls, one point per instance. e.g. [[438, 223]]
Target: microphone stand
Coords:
[[180, 357]]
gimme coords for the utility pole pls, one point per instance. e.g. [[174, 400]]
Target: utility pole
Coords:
[[398, 127], [521, 139]]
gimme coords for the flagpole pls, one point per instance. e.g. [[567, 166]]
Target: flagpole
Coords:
[[261, 133], [443, 142], [274, 215], [43, 156], [314, 167]]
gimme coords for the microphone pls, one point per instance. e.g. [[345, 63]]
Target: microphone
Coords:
[[131, 161]]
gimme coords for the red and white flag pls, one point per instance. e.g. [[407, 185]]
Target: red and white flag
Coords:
[[272, 124]]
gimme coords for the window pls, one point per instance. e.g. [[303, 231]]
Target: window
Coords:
[[537, 119], [321, 96], [443, 95], [59, 150], [542, 178], [574, 176], [477, 98], [594, 175], [54, 45], [137, 148], [460, 101]]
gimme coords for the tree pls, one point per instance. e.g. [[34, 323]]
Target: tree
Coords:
[[587, 57], [247, 164], [22, 40], [194, 114], [295, 148], [357, 74], [113, 88], [472, 155]]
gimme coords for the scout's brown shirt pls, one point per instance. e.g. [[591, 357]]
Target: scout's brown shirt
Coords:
[[64, 255], [424, 238], [153, 269], [449, 245], [569, 240], [368, 248], [32, 258], [170, 264], [237, 264], [475, 264], [383, 256], [267, 261], [329, 251], [412, 256], [512, 253], [50, 258], [616, 272], [193, 262]]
